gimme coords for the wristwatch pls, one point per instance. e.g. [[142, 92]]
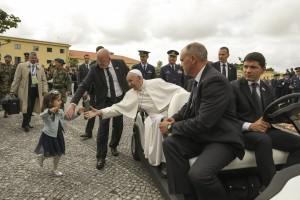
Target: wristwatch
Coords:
[[169, 127]]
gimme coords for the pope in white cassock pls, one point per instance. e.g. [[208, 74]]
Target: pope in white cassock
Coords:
[[151, 96]]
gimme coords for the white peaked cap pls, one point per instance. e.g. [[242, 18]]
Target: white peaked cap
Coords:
[[137, 72]]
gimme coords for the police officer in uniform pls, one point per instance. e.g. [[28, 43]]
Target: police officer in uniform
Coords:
[[283, 85], [275, 82], [7, 72], [147, 70], [295, 81], [172, 72], [61, 80]]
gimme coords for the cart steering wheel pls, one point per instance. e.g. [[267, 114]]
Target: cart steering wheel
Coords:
[[284, 110]]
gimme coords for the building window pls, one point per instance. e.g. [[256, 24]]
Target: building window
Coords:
[[62, 51], [17, 60], [49, 49], [17, 46], [35, 48], [49, 61]]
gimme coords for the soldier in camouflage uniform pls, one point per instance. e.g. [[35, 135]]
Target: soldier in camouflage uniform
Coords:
[[7, 72], [61, 80]]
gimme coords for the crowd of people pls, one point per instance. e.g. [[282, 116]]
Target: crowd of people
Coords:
[[222, 117]]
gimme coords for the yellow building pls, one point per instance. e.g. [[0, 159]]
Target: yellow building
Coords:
[[46, 51], [268, 75]]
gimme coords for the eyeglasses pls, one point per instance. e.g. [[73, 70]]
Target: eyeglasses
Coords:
[[54, 92]]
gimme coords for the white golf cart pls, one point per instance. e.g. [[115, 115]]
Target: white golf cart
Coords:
[[285, 184]]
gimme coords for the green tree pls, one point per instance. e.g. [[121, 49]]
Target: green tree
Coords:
[[157, 68], [8, 21]]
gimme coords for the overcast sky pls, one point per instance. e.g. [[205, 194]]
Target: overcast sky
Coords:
[[271, 27]]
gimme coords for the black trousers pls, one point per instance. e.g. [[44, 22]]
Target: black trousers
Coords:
[[89, 126], [262, 145], [103, 132], [90, 122], [33, 94], [199, 181]]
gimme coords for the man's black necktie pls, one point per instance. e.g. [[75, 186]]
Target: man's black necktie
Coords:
[[224, 69], [144, 67], [256, 99], [190, 102], [111, 85], [194, 92]]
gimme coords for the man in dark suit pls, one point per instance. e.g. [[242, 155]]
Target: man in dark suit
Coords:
[[82, 72], [285, 85], [295, 81], [274, 84], [84, 68], [109, 80], [147, 70], [206, 126], [227, 69], [172, 72], [252, 96]]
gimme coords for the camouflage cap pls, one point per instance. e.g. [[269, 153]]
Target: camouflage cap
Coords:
[[59, 60]]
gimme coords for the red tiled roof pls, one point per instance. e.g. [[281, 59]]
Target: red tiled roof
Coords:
[[80, 54]]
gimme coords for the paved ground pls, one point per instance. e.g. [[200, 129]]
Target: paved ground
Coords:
[[22, 178]]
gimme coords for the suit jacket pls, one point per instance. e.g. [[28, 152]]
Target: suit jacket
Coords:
[[82, 72], [149, 73], [246, 109], [173, 76], [295, 84], [97, 78], [210, 116], [232, 73]]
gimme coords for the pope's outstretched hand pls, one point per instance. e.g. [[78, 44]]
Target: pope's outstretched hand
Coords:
[[92, 113]]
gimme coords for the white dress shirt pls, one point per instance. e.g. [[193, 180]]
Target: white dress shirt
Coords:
[[246, 125], [118, 88]]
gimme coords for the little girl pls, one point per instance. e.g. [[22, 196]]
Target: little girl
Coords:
[[52, 143]]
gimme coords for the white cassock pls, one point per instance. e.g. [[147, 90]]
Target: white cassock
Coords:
[[153, 98]]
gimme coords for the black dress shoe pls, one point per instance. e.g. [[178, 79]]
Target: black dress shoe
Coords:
[[114, 151], [100, 164], [26, 128], [30, 126]]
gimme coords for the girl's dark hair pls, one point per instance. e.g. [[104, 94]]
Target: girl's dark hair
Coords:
[[49, 98]]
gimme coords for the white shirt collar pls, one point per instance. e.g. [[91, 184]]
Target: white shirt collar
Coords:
[[198, 77], [110, 65], [250, 82]]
